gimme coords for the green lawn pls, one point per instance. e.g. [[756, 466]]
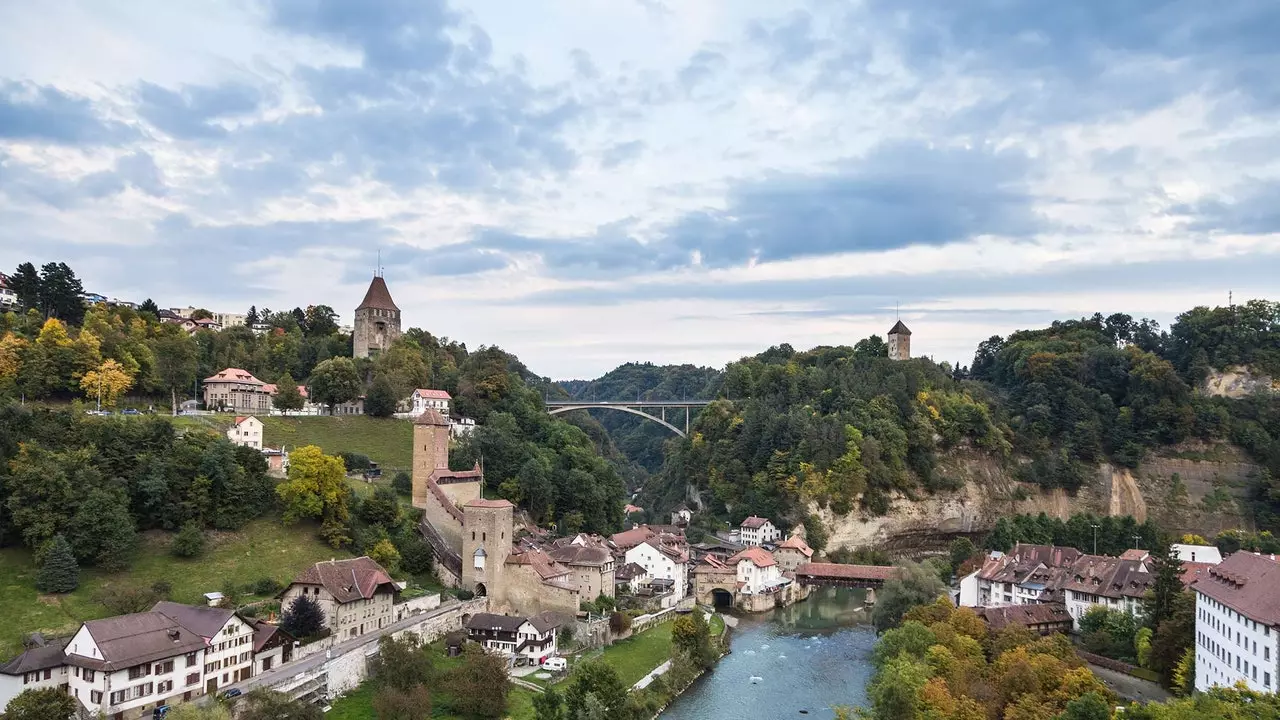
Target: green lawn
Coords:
[[389, 442], [639, 654], [263, 549]]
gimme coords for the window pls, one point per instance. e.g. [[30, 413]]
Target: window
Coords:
[[1266, 679], [191, 659], [164, 687], [95, 697], [138, 671], [164, 667], [88, 676], [193, 678]]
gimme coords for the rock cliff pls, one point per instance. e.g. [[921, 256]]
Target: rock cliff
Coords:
[[1237, 382], [1194, 487]]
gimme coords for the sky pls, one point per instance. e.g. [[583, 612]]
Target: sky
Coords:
[[591, 182]]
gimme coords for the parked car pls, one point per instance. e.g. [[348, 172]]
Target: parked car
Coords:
[[233, 692], [161, 711], [130, 411]]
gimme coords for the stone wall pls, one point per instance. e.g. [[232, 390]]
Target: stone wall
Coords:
[[524, 593]]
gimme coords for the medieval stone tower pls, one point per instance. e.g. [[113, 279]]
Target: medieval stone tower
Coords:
[[430, 452], [899, 342], [486, 544], [377, 321]]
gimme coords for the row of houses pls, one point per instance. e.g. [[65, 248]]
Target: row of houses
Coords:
[[126, 666]]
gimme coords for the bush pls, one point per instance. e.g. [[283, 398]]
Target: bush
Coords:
[[189, 542], [59, 572], [123, 600], [162, 589], [355, 461], [415, 554], [619, 623], [402, 483], [267, 586]]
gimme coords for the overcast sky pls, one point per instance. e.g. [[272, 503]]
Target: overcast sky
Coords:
[[589, 182]]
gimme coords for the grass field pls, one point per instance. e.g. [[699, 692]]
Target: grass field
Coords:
[[263, 549], [387, 441], [639, 654]]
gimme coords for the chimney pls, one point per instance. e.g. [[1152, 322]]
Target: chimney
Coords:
[[174, 635]]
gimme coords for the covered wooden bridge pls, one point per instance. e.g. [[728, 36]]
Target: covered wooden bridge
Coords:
[[846, 576]]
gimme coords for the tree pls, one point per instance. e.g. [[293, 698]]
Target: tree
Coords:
[[107, 382], [288, 397], [25, 283], [61, 293], [415, 553], [1090, 706], [201, 314], [962, 549], [304, 617], [335, 381], [42, 704], [1142, 646], [1167, 569], [251, 317], [402, 483], [548, 705], [381, 508], [59, 572], [402, 663], [149, 306], [381, 400], [691, 636], [263, 704], [175, 354], [102, 531], [1174, 636], [316, 487], [594, 679], [873, 346], [386, 555], [189, 542], [320, 321], [915, 584], [479, 685], [391, 703]]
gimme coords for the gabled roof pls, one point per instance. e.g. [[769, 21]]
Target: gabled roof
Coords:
[[899, 329], [580, 550], [795, 542], [491, 621], [432, 394], [378, 296], [234, 375], [755, 523], [37, 658], [430, 416], [265, 633], [628, 539], [998, 618], [758, 556], [1246, 583], [348, 580], [545, 621], [202, 620], [128, 640], [629, 571]]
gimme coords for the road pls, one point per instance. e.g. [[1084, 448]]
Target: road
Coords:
[[1129, 687]]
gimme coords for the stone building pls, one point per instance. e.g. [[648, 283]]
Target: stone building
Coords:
[[590, 560], [377, 323], [356, 595], [899, 342], [792, 553]]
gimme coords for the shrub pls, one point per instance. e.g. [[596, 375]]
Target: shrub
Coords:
[[355, 461], [59, 572], [415, 554], [619, 623], [162, 589], [267, 586], [123, 600], [402, 483], [189, 542]]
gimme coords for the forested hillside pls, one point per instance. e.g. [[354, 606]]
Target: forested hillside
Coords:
[[848, 428]]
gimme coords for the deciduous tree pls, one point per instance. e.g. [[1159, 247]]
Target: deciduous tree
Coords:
[[479, 685], [42, 704], [335, 381], [288, 397], [106, 382], [316, 487], [175, 368]]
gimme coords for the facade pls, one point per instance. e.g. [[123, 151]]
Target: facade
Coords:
[[629, 578], [246, 431], [899, 342], [1040, 618], [423, 399], [1197, 553], [663, 562], [531, 639], [590, 560], [236, 390], [757, 572], [1238, 623], [228, 658], [355, 595], [758, 531], [125, 666], [40, 666], [377, 323], [272, 647], [792, 553], [681, 515]]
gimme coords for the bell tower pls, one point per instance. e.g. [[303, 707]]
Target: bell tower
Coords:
[[377, 323]]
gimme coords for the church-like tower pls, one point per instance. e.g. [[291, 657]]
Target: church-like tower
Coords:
[[899, 342], [377, 321]]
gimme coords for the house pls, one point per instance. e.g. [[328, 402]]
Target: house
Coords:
[[228, 657], [757, 572], [1017, 578], [236, 390], [666, 563], [629, 578], [8, 301], [277, 461], [1039, 618], [681, 515], [720, 549], [537, 637], [1116, 583], [590, 560], [192, 326], [461, 426], [355, 595], [1197, 553], [437, 400], [1238, 623], [531, 639], [246, 431], [41, 665], [792, 553], [758, 531], [125, 665], [272, 647]]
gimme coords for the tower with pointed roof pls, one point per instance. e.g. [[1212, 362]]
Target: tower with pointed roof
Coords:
[[377, 321], [899, 342]]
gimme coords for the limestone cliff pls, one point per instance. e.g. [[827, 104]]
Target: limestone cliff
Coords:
[[1237, 382], [1194, 487]]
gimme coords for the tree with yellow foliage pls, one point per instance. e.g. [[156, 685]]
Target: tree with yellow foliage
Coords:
[[317, 489], [106, 383], [11, 349]]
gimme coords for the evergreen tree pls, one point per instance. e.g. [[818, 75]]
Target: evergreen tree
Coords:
[[548, 705], [251, 317], [402, 483], [102, 532], [287, 396], [149, 306], [189, 542], [1159, 603], [61, 292], [59, 572], [381, 399], [304, 617], [25, 283]]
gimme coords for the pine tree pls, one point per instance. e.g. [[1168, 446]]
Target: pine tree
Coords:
[[59, 573], [1167, 569], [189, 542], [304, 617], [150, 306], [288, 397]]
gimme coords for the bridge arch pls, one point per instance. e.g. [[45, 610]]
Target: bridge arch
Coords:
[[588, 406]]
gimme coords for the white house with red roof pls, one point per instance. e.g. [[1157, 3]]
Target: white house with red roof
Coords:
[[424, 399], [758, 531], [246, 431], [666, 561], [758, 571], [792, 553]]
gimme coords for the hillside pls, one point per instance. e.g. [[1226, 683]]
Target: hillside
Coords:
[[387, 441]]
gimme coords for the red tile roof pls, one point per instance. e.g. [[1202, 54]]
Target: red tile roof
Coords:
[[432, 394], [628, 539], [347, 580], [234, 375], [795, 542], [758, 556], [754, 522], [430, 416], [1246, 583], [378, 296]]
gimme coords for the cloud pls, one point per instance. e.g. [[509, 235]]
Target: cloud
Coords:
[[192, 112], [392, 36], [791, 41], [620, 153], [1254, 210], [21, 181], [700, 68], [33, 112]]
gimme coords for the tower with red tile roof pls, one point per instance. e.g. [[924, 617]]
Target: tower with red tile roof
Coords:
[[377, 321]]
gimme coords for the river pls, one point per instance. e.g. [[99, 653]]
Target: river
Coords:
[[795, 662]]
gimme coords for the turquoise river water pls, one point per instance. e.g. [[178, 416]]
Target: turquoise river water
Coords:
[[795, 662]]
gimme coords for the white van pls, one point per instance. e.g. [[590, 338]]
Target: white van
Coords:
[[556, 664]]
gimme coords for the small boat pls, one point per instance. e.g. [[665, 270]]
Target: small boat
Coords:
[[756, 679]]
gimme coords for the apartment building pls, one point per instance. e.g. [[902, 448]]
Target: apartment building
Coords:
[[1238, 623]]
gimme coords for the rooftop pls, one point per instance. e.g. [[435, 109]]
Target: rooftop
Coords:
[[899, 329], [378, 296], [433, 394], [347, 580], [127, 640], [758, 556], [203, 620], [1246, 583], [754, 522], [234, 375]]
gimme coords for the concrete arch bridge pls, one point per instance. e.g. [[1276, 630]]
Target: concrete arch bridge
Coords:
[[644, 408]]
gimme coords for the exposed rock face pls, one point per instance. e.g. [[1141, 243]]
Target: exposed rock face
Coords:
[[1237, 382], [1194, 487]]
